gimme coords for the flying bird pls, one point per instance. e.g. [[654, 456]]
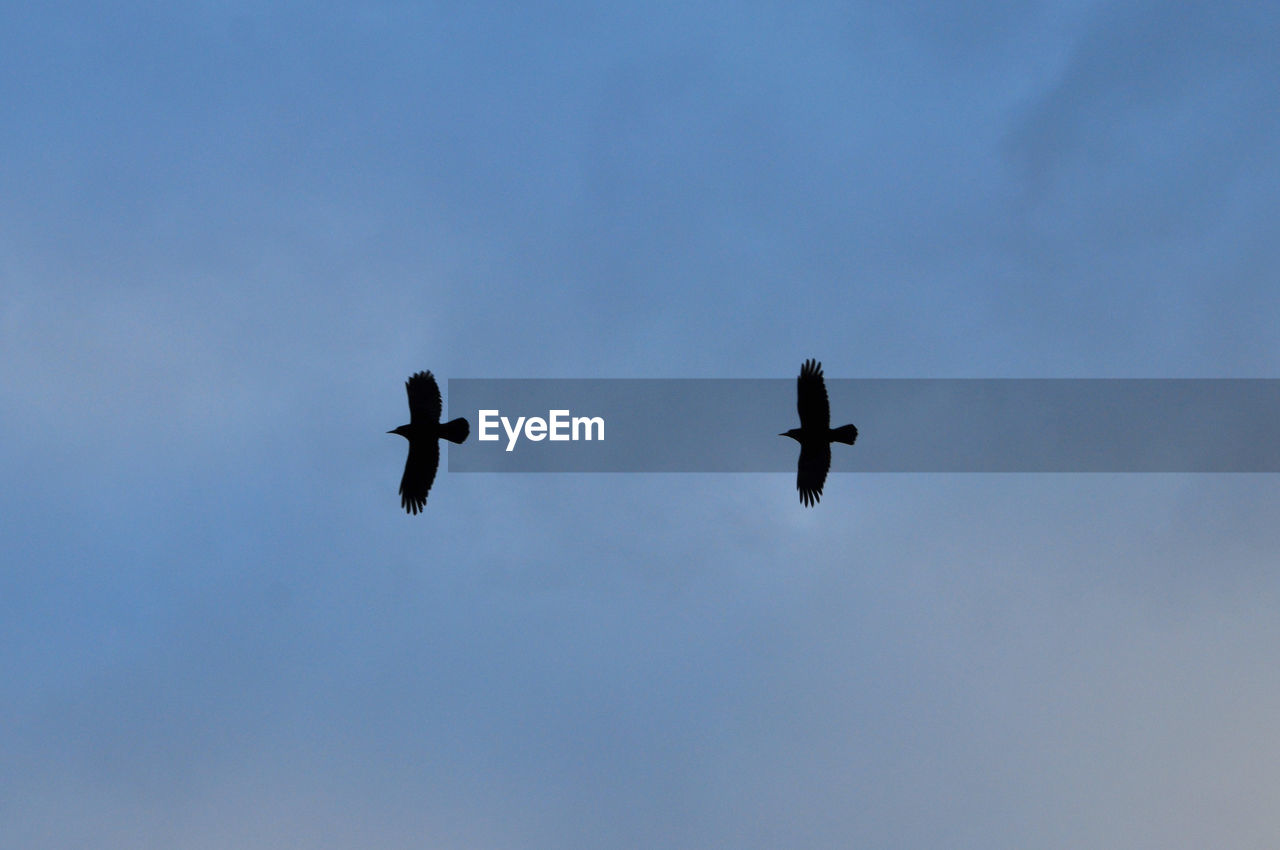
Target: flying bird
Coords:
[[422, 432], [815, 434]]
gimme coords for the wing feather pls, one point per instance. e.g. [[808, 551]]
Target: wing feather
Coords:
[[419, 473], [811, 398], [424, 398], [811, 472]]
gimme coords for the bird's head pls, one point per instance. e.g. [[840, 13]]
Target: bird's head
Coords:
[[402, 431], [794, 434]]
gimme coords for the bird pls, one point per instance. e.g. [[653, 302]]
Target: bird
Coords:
[[815, 434], [422, 432]]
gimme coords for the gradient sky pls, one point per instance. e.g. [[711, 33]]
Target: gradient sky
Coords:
[[229, 231]]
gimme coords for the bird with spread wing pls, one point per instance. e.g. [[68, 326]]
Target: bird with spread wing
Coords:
[[815, 434], [423, 433]]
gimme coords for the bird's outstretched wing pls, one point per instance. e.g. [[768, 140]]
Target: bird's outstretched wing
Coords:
[[424, 401], [419, 472], [811, 399], [811, 473]]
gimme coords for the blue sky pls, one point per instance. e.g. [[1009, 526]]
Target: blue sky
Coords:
[[227, 235]]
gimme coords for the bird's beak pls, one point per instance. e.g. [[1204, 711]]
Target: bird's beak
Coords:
[[391, 432], [783, 434]]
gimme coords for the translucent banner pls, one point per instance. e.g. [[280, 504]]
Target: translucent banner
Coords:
[[904, 425]]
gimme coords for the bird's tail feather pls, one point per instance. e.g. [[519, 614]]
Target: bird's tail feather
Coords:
[[455, 431], [844, 434]]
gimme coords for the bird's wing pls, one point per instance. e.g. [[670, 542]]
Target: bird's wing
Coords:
[[811, 473], [811, 397], [424, 398], [419, 473]]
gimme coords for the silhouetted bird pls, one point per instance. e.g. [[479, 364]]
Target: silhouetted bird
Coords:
[[815, 434], [422, 432]]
